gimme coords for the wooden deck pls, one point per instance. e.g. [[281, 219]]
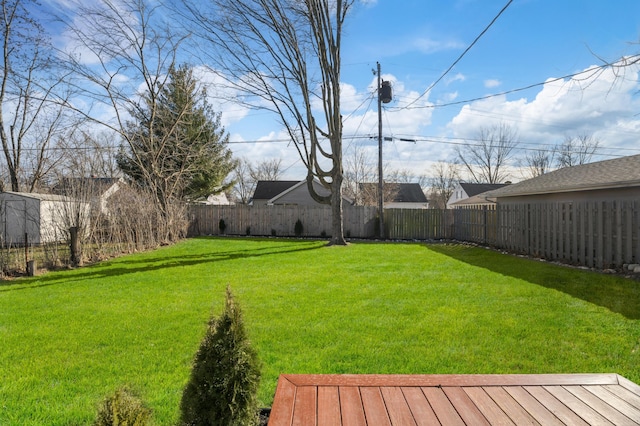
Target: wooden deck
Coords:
[[545, 399]]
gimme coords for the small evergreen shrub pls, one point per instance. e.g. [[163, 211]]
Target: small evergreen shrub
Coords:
[[273, 232], [323, 234], [298, 228], [123, 408], [224, 380], [248, 230], [222, 226]]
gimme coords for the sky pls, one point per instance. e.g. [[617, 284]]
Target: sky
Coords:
[[530, 43], [455, 73]]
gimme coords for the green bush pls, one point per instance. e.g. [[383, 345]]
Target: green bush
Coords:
[[298, 228], [222, 226], [225, 375], [123, 408]]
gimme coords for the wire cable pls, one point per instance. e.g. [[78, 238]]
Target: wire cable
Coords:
[[461, 56]]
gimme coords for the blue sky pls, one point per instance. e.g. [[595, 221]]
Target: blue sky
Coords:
[[415, 41]]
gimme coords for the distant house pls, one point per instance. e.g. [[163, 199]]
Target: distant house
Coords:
[[36, 218], [96, 191], [464, 190], [286, 192], [214, 200], [397, 195], [616, 179]]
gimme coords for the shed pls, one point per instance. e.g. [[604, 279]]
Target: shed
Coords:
[[35, 218]]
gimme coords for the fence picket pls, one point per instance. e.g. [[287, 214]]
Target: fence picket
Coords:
[[594, 234]]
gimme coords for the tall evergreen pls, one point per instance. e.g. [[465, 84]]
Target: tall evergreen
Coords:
[[177, 147]]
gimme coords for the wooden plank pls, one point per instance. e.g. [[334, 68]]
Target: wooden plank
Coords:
[[561, 411], [511, 408], [533, 407], [601, 407], [488, 406], [419, 406], [465, 407], [625, 394], [375, 410], [578, 407], [446, 413], [350, 406], [305, 408], [328, 406], [613, 400], [397, 407], [443, 380], [283, 403]]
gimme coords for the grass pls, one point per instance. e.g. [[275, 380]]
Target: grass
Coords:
[[68, 339]]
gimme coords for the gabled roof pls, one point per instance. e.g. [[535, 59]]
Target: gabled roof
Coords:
[[41, 197], [267, 189], [478, 188], [409, 193], [403, 192], [93, 185], [621, 172]]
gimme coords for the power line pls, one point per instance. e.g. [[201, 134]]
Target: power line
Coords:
[[592, 71], [462, 55]]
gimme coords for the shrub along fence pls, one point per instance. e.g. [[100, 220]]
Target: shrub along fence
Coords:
[[603, 234]]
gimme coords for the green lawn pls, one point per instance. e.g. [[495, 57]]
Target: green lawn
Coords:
[[69, 338]]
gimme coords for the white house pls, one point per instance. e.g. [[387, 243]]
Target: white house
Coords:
[[464, 190], [36, 218]]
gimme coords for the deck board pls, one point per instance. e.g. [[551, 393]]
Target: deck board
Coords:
[[369, 399]]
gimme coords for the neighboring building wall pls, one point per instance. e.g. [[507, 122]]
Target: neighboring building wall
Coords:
[[615, 194]]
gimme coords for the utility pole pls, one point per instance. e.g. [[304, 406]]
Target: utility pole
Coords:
[[384, 95]]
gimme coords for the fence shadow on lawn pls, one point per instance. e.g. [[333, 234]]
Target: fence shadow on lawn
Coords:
[[151, 261], [616, 293]]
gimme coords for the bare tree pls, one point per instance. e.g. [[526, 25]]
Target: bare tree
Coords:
[[122, 54], [266, 170], [285, 56], [32, 97], [536, 162], [445, 178], [577, 150], [247, 175], [359, 169], [486, 157]]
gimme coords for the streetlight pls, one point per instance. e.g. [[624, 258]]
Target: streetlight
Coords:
[[384, 96]]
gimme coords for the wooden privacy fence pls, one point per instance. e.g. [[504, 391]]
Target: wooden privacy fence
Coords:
[[602, 234], [277, 220]]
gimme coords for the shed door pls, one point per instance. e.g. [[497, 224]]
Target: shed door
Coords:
[[15, 221]]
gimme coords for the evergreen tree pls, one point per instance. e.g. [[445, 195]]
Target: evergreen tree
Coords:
[[225, 375], [177, 146]]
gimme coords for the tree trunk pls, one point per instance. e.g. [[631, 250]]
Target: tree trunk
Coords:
[[337, 234]]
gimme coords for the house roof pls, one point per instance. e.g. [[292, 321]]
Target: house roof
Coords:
[[621, 172], [406, 192], [476, 199], [478, 188], [41, 197], [94, 185], [267, 189], [409, 193]]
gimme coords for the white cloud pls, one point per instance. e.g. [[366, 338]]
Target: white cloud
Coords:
[[491, 83], [595, 103]]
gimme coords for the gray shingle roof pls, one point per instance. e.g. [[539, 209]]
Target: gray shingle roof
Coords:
[[403, 192], [267, 189], [478, 188], [617, 173]]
